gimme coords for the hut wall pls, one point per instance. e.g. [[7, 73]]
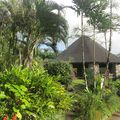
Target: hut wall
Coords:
[[78, 69], [96, 67], [99, 68], [118, 70]]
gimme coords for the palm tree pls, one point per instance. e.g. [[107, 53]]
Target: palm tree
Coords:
[[110, 38], [32, 22], [93, 10], [56, 28], [79, 5]]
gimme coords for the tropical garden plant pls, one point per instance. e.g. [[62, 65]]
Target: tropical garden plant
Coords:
[[61, 69], [27, 24], [31, 94], [94, 104]]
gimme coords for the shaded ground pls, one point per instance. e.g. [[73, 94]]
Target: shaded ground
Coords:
[[115, 116]]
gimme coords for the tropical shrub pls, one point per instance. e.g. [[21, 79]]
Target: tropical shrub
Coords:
[[115, 86], [94, 104], [61, 69], [111, 100], [91, 106], [88, 106], [31, 93], [90, 77]]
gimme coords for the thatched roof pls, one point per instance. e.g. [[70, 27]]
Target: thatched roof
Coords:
[[74, 52]]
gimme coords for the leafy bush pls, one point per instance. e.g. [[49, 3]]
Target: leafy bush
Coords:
[[111, 100], [32, 94], [88, 106], [61, 69], [94, 104], [115, 86], [91, 106]]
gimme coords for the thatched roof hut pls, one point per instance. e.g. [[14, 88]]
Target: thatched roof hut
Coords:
[[74, 52]]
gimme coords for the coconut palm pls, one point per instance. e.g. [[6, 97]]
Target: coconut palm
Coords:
[[32, 23], [55, 30], [110, 39], [79, 7], [93, 10]]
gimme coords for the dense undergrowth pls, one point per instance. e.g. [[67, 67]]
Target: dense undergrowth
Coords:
[[41, 94], [32, 94]]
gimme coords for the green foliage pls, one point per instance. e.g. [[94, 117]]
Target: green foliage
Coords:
[[61, 69], [115, 86], [25, 24], [95, 10], [90, 78], [46, 54], [78, 85], [95, 104], [91, 106], [32, 94], [112, 102]]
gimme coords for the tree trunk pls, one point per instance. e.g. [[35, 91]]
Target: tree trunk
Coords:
[[94, 59], [20, 56], [27, 57], [103, 80], [105, 36], [55, 50], [83, 54], [110, 41]]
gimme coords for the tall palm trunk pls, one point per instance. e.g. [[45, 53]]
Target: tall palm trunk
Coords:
[[28, 52], [20, 57], [94, 57], [105, 37], [27, 58], [110, 39], [104, 79], [83, 53]]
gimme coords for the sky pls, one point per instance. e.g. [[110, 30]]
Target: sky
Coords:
[[74, 22]]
